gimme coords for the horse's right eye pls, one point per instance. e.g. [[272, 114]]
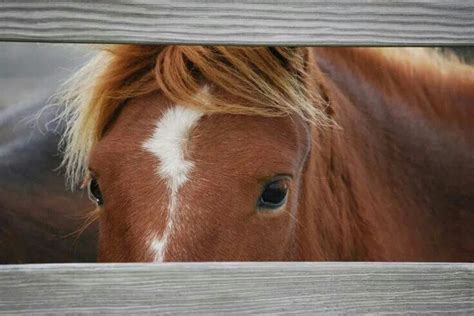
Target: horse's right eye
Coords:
[[94, 192], [274, 194]]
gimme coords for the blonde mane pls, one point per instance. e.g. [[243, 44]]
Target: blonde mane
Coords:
[[248, 81], [262, 81]]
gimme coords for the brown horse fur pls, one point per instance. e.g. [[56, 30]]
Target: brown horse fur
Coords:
[[378, 144]]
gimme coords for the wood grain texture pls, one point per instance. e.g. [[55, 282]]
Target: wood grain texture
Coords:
[[264, 22], [238, 288]]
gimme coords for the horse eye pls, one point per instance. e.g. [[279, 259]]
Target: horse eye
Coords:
[[94, 192], [274, 195]]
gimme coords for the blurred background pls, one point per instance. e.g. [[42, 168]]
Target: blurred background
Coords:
[[29, 71], [40, 221]]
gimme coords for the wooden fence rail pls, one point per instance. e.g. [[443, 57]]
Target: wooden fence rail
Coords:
[[249, 22], [238, 288]]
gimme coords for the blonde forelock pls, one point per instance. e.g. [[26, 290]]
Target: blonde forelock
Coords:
[[262, 81]]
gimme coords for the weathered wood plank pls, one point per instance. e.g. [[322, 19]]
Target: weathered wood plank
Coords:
[[238, 288], [263, 22]]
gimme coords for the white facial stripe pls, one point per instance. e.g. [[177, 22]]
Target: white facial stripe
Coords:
[[168, 143]]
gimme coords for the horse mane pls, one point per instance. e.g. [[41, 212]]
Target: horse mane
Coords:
[[265, 81], [430, 83]]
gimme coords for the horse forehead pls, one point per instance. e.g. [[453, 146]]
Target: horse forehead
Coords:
[[168, 124], [255, 145], [128, 128], [179, 131]]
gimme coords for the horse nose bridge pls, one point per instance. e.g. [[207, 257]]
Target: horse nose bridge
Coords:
[[186, 243]]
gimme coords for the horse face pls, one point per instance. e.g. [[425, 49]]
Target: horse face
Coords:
[[174, 184]]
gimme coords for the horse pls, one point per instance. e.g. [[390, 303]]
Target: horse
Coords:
[[38, 217], [210, 153]]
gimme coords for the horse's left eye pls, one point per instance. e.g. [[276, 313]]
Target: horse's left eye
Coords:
[[94, 192], [274, 195]]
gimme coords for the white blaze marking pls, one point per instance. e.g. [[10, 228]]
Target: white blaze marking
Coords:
[[168, 143]]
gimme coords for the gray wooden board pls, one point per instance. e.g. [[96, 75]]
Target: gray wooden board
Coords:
[[264, 22], [238, 288]]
